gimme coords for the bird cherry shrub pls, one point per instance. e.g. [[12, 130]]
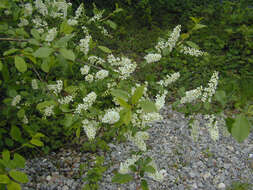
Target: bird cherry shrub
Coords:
[[58, 84]]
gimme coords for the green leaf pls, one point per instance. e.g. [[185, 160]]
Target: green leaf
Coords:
[[123, 103], [144, 184], [192, 44], [36, 142], [20, 64], [6, 155], [35, 34], [10, 51], [13, 186], [105, 49], [122, 178], [198, 26], [45, 66], [43, 52], [67, 54], [34, 42], [112, 24], [18, 176], [1, 65], [220, 96], [21, 113], [4, 179], [148, 106], [240, 128], [66, 28], [15, 133], [127, 117], [120, 94], [137, 94], [38, 135], [149, 169], [19, 161]]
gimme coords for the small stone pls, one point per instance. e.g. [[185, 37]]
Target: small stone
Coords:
[[250, 155], [206, 175], [48, 178], [65, 187], [221, 186], [230, 148]]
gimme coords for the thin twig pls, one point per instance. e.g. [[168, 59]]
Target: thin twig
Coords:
[[13, 39]]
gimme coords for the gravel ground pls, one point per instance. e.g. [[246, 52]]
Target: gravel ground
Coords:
[[201, 165]]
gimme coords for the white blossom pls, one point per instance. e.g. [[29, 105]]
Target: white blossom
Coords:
[[25, 120], [191, 95], [41, 7], [34, 84], [89, 78], [87, 102], [57, 88], [52, 33], [79, 11], [153, 57], [158, 175], [72, 22], [102, 74], [84, 44], [150, 117], [90, 128], [210, 90], [171, 42], [139, 139], [16, 100], [96, 60], [212, 126], [111, 117], [160, 100], [191, 51], [48, 111], [23, 22], [124, 167], [85, 70], [66, 99], [169, 79]]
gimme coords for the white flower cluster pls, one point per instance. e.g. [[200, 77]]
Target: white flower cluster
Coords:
[[57, 88], [102, 74], [212, 126], [87, 102], [111, 117], [66, 99], [48, 111], [90, 128], [79, 11], [72, 22], [153, 57], [104, 31], [84, 44], [61, 8], [210, 90], [191, 51], [85, 70], [195, 130], [52, 33], [158, 175], [25, 120], [41, 7], [139, 139], [28, 9], [171, 43], [124, 167], [16, 100], [96, 17], [160, 100], [191, 95], [23, 22], [126, 67], [150, 117], [169, 79], [40, 24], [96, 60], [89, 78], [34, 84]]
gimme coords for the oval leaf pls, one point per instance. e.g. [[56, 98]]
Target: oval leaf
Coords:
[[105, 49], [4, 179], [240, 128], [67, 54], [43, 52], [19, 176], [20, 64]]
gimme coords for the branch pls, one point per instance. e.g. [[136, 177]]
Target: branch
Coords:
[[13, 39]]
